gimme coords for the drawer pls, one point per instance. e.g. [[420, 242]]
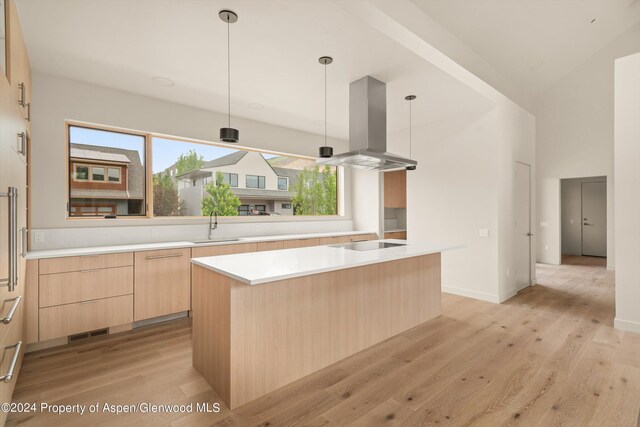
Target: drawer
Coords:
[[85, 262], [335, 240], [363, 237], [85, 285], [7, 350], [6, 304], [204, 251], [401, 235], [301, 243], [271, 246], [70, 319]]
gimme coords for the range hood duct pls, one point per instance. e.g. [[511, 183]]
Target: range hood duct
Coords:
[[368, 130]]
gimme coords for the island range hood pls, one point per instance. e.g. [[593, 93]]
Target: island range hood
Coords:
[[368, 130]]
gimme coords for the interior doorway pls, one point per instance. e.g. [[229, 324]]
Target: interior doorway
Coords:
[[523, 225], [584, 217]]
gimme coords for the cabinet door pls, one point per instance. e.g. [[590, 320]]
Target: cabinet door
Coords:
[[395, 189], [162, 283]]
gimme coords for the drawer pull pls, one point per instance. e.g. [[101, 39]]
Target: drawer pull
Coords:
[[7, 319], [21, 98], [91, 270], [14, 360], [164, 256], [89, 302]]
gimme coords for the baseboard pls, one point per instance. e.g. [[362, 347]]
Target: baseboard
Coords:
[[508, 295], [627, 325], [160, 319], [471, 294]]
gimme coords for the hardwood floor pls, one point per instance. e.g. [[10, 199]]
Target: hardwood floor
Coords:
[[549, 356]]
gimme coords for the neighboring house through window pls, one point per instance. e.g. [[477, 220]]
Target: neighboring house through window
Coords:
[[283, 183], [255, 181]]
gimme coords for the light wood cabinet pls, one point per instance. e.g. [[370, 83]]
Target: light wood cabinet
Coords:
[[334, 240], [401, 235], [70, 319], [395, 189], [85, 285], [363, 237], [215, 250], [270, 246], [86, 262], [162, 283], [301, 243], [13, 173]]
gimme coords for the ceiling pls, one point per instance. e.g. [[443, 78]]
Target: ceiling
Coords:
[[275, 46], [534, 43]]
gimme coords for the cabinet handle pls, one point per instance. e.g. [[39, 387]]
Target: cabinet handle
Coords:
[[22, 146], [91, 270], [164, 256], [12, 365], [7, 319], [28, 118], [24, 242], [21, 99], [89, 302], [12, 280]]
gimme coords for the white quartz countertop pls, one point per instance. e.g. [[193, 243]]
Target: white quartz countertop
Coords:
[[98, 250], [263, 267]]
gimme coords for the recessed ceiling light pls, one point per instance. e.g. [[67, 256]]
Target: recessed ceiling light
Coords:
[[318, 122], [256, 106], [162, 81]]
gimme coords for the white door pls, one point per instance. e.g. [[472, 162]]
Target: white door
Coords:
[[594, 219], [523, 225]]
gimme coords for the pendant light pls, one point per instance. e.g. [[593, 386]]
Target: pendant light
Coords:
[[410, 98], [229, 134], [325, 151]]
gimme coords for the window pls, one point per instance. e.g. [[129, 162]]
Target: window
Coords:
[[283, 183], [255, 181], [97, 173], [230, 178], [81, 173], [114, 174], [109, 171], [98, 161]]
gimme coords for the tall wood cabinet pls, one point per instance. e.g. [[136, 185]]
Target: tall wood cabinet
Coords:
[[15, 128]]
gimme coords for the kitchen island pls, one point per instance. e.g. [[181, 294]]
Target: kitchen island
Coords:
[[263, 320]]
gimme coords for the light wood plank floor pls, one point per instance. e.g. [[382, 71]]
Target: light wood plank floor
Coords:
[[547, 357]]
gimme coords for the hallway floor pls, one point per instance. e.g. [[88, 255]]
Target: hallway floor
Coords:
[[548, 356]]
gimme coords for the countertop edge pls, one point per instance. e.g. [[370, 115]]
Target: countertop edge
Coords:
[[321, 270], [138, 247]]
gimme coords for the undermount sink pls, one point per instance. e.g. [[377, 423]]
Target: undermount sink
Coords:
[[204, 242]]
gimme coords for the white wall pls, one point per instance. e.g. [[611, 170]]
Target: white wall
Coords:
[[571, 213], [627, 202], [57, 99], [574, 127], [464, 182]]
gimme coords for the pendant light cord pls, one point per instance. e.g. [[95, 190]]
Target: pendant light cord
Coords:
[[228, 73], [410, 115], [325, 105]]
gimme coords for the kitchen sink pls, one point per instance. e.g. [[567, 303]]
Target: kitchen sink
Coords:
[[204, 242]]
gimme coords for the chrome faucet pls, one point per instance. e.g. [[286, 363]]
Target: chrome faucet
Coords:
[[212, 226]]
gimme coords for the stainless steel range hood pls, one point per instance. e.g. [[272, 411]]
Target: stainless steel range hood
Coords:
[[368, 130]]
